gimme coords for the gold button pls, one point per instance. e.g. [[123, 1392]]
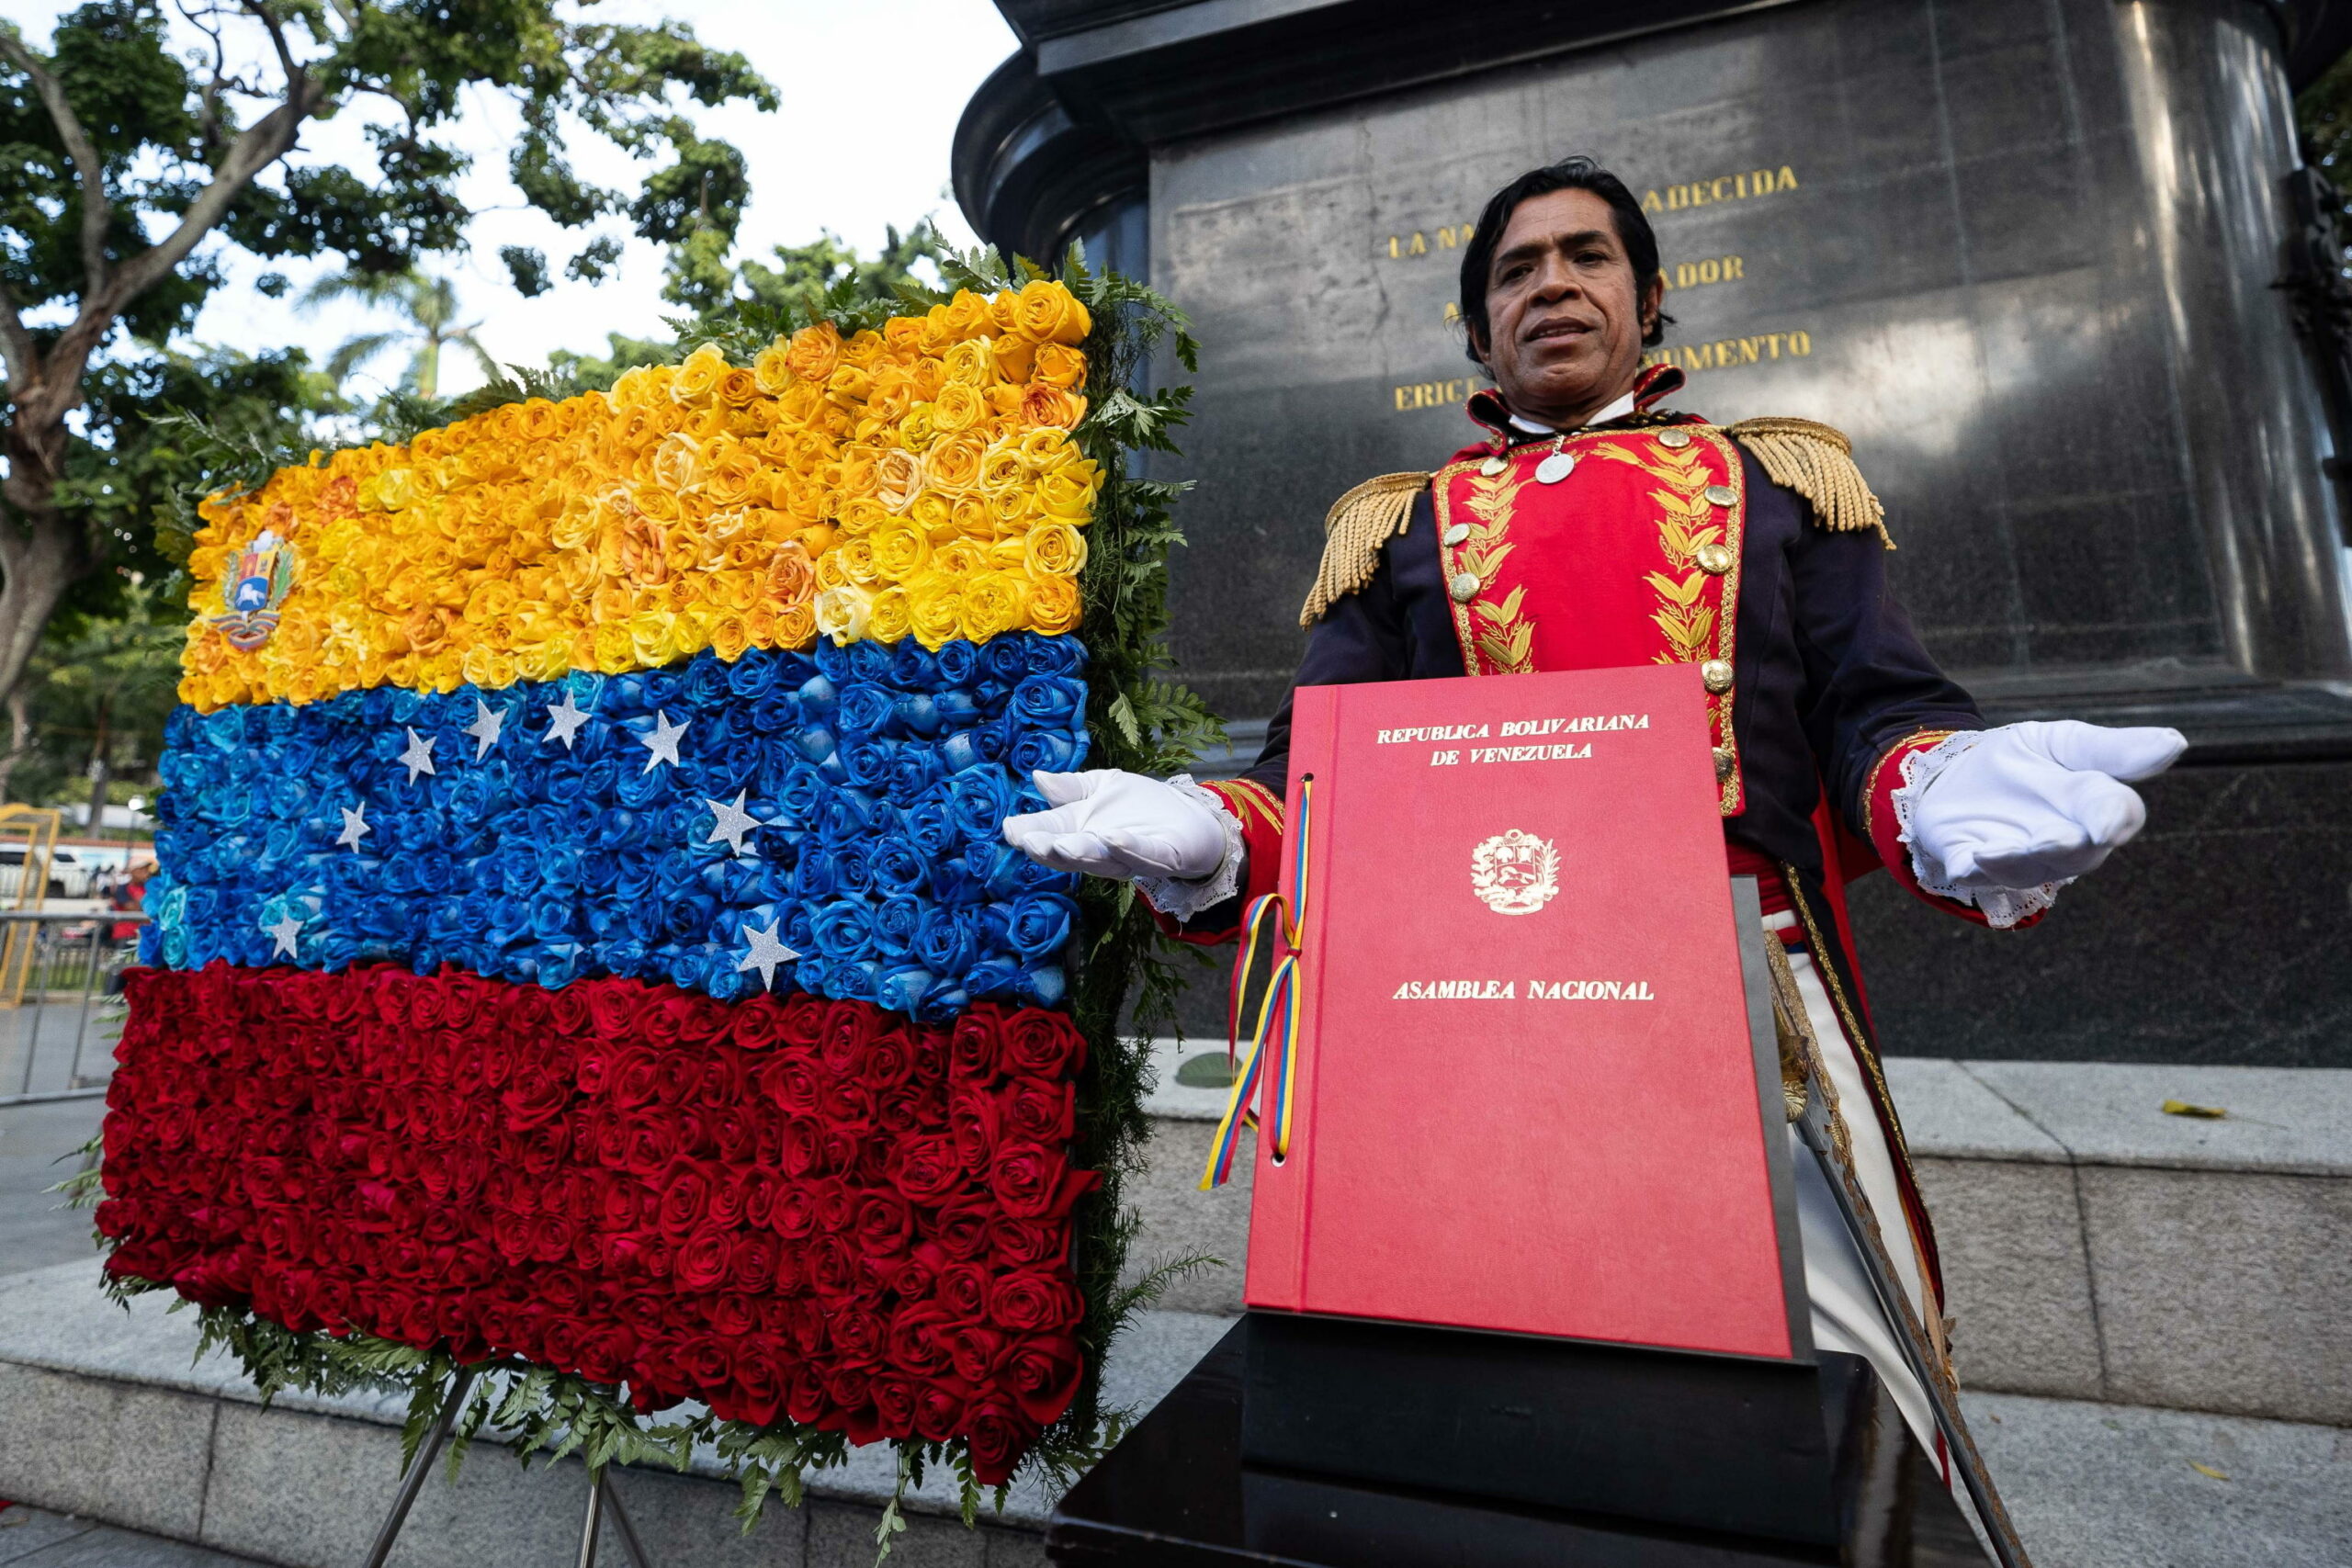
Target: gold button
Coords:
[[1464, 586], [1492, 467], [1715, 559], [1676, 439], [1717, 675], [1458, 533], [1722, 762], [1722, 495]]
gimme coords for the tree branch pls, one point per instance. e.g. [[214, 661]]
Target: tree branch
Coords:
[[295, 76], [17, 346], [96, 209]]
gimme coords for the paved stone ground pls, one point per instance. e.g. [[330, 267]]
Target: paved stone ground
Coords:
[[31, 1538], [36, 1145]]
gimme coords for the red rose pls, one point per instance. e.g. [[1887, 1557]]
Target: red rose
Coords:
[[915, 1345], [1040, 1111], [1012, 1242], [884, 1225], [927, 1169], [805, 1013], [793, 1083], [997, 1436], [1038, 1043], [761, 1381], [1033, 1181], [939, 1409], [973, 1117], [894, 1405], [963, 1290], [796, 1213], [684, 1203], [962, 1229], [972, 1048], [758, 1023], [702, 1261], [888, 1059], [1043, 1375], [1030, 1301], [751, 1263], [849, 1029]]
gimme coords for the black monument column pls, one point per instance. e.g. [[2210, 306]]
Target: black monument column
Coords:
[[2039, 258]]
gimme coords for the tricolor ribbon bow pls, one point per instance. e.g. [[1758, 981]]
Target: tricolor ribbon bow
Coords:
[[1272, 921]]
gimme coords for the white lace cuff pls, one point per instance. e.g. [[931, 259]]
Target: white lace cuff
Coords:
[[2001, 906], [1182, 900]]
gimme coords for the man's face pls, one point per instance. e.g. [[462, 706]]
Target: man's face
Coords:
[[1564, 326]]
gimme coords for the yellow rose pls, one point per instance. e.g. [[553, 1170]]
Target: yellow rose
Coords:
[[856, 558], [832, 572], [954, 464], [1048, 312], [864, 516], [934, 609], [1044, 448], [849, 384], [1057, 549], [796, 626], [958, 406], [960, 558], [734, 477], [901, 551], [898, 479], [813, 353], [903, 336], [771, 369], [738, 387], [698, 378], [842, 613], [970, 363], [1059, 366], [886, 621], [730, 636], [994, 602], [972, 518], [791, 576], [1041, 405], [1069, 491], [969, 316], [396, 488], [916, 432], [1054, 604], [1015, 359]]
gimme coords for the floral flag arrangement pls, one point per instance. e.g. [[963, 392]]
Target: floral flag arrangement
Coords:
[[583, 948]]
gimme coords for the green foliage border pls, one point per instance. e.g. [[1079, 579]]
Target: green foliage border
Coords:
[[1126, 981]]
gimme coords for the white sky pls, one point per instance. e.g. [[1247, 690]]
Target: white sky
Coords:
[[871, 92]]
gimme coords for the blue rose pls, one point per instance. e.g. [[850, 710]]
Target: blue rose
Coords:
[[899, 867], [812, 879], [856, 980], [993, 977], [866, 763], [901, 988], [1039, 749], [814, 742], [913, 768], [1039, 924], [864, 710], [661, 689], [1043, 986], [944, 939], [708, 681], [1049, 701], [896, 920], [1056, 655], [1004, 660], [979, 798], [843, 928], [957, 662]]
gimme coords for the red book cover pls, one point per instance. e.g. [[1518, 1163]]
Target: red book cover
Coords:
[[1527, 1095]]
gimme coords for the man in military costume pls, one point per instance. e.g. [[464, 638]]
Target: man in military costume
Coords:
[[1593, 526]]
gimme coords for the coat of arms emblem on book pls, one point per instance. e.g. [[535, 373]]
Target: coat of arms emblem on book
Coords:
[[1515, 873]]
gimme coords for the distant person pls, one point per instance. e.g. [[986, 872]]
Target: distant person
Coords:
[[1590, 527], [129, 893]]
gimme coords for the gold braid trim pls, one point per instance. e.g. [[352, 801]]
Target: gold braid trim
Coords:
[[1816, 462], [1360, 522]]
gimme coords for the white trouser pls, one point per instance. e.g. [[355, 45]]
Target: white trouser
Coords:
[[1845, 1311]]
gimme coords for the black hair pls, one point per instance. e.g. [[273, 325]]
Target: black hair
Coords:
[[1569, 174]]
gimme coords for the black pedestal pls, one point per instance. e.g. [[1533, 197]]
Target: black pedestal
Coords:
[[1179, 1491]]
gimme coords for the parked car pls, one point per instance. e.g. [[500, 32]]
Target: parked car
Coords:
[[70, 875]]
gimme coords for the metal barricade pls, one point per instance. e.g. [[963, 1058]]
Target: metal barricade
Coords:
[[57, 1035]]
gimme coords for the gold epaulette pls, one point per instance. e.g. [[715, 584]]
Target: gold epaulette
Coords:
[[1816, 462], [1358, 524]]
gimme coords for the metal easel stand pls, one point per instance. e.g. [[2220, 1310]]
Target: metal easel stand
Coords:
[[601, 1493]]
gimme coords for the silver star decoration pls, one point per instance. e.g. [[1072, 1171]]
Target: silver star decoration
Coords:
[[663, 742], [282, 935], [767, 952], [565, 719], [419, 755], [731, 822], [355, 826], [485, 728]]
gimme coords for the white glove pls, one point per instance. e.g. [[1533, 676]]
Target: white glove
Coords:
[[1120, 825], [2028, 804]]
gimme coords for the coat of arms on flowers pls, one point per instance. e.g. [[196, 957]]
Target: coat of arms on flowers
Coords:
[[1515, 873], [253, 588]]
